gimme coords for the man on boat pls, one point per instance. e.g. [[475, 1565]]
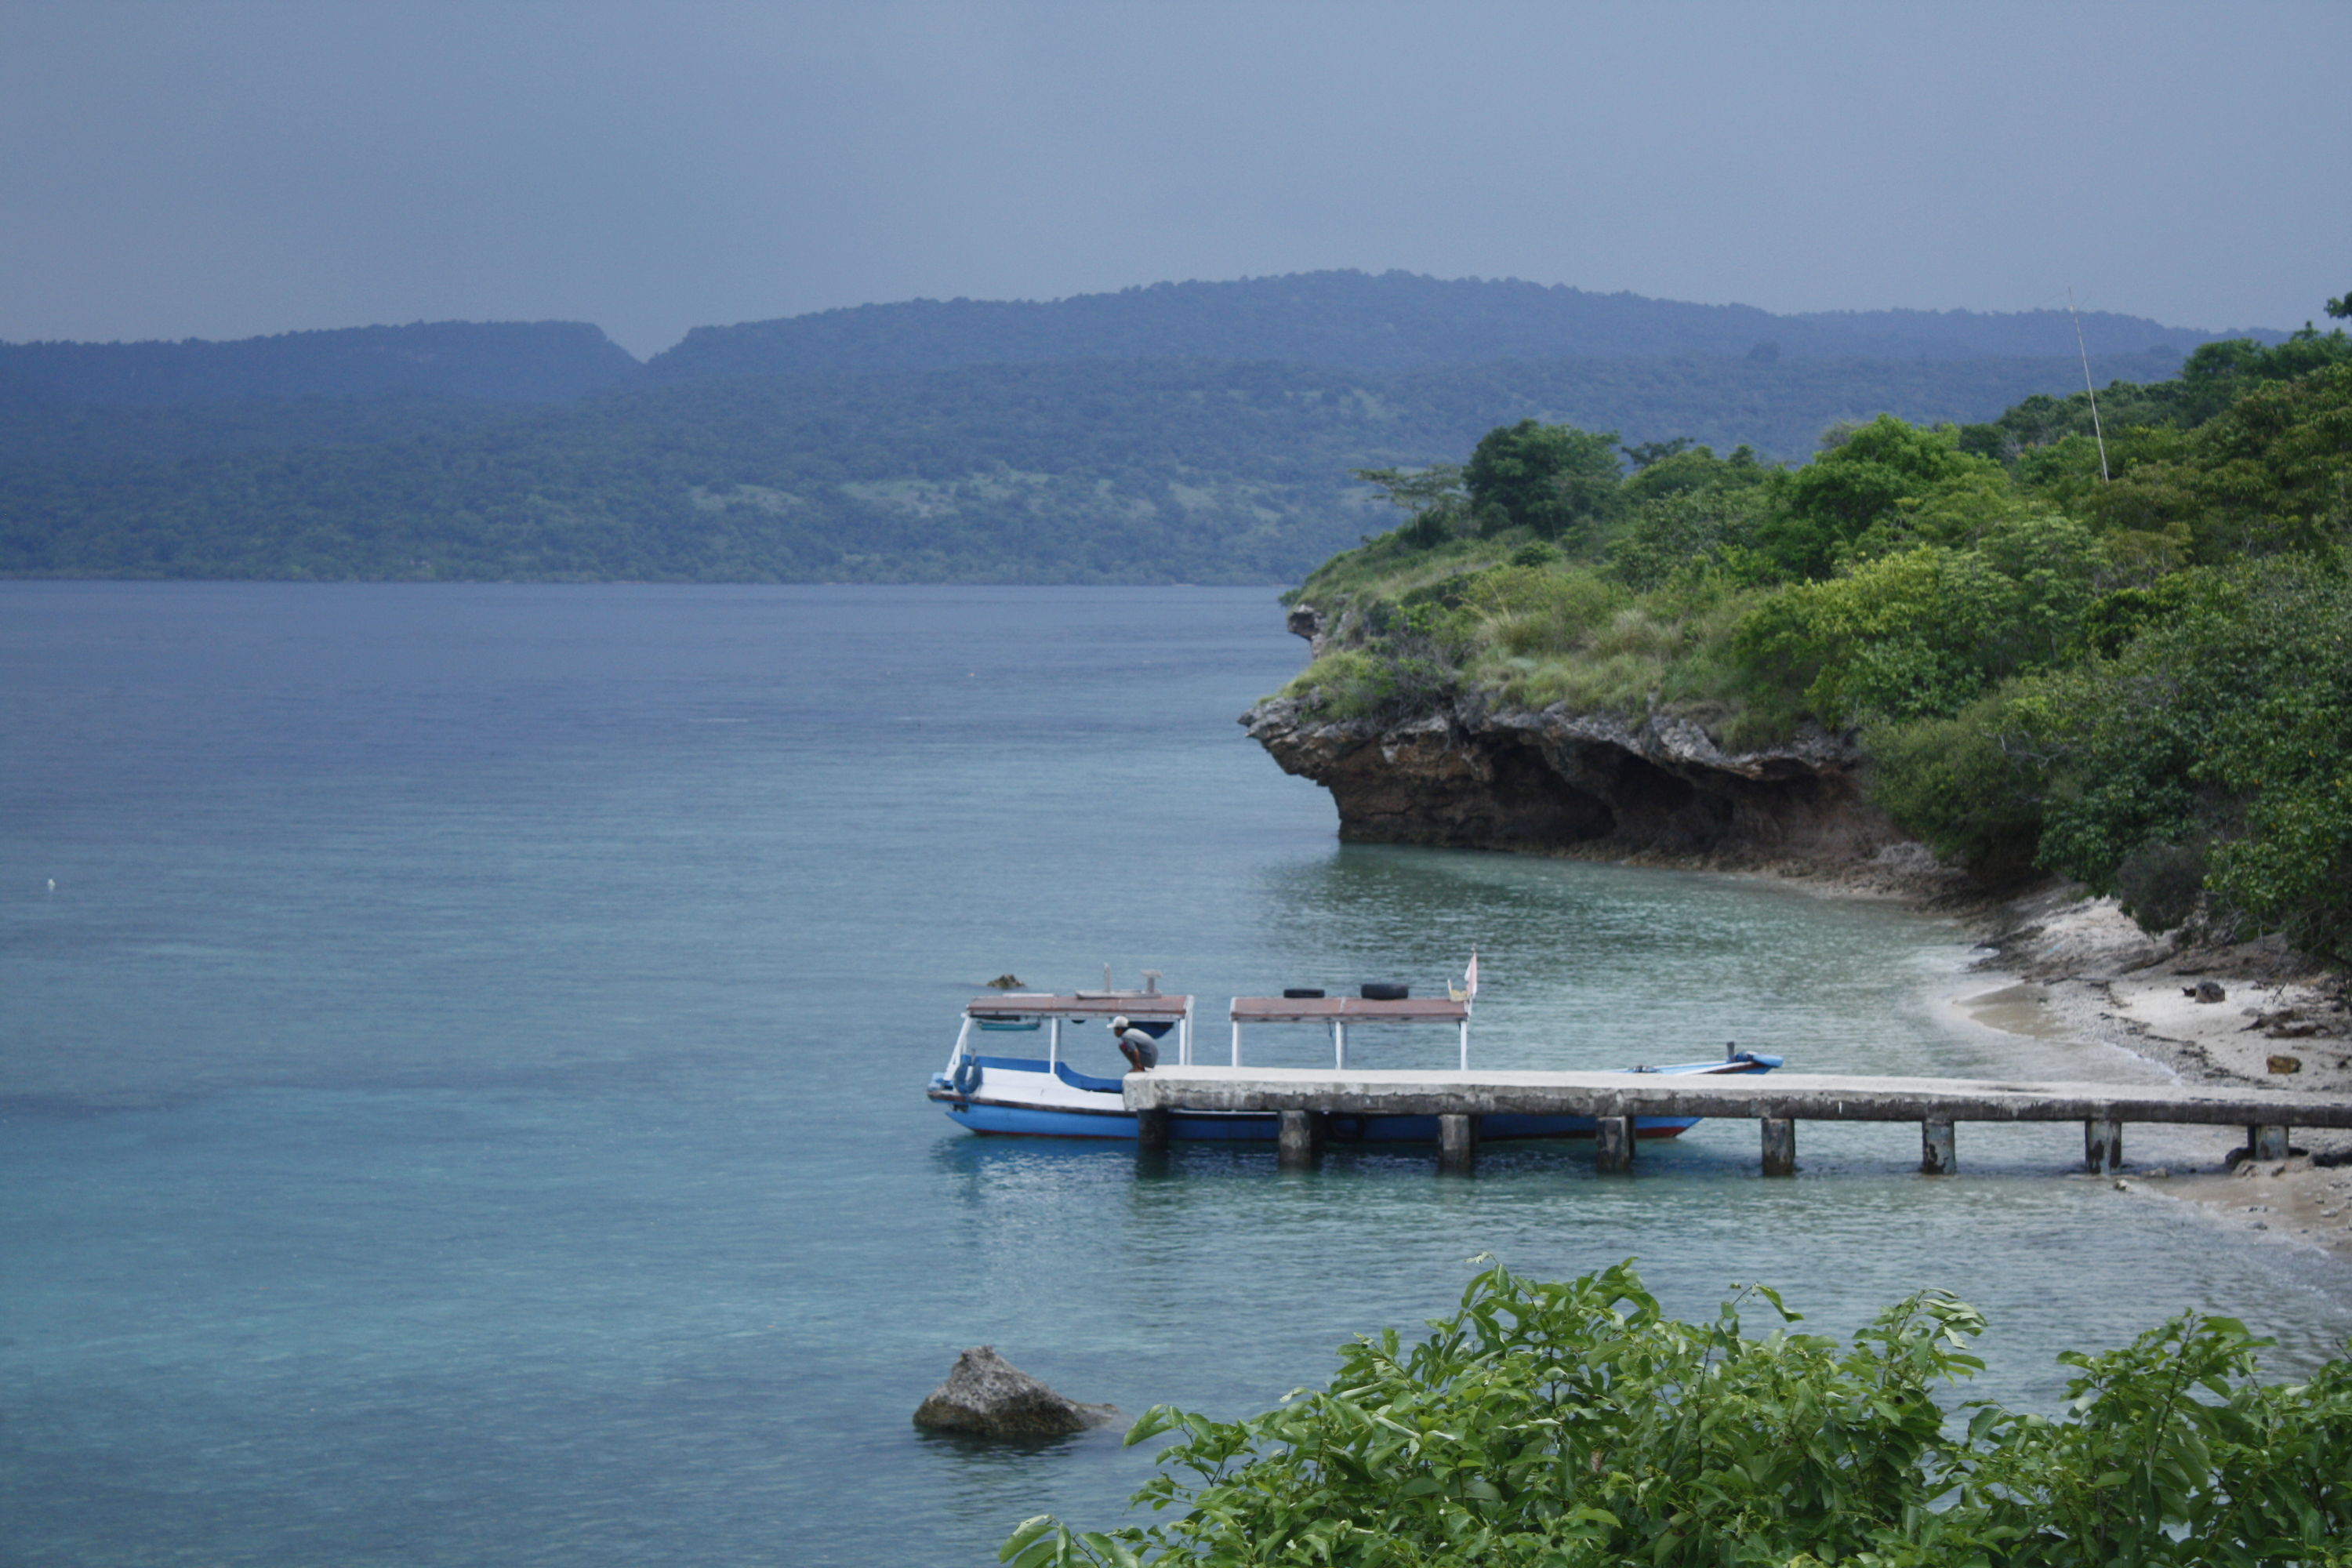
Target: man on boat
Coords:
[[1141, 1051]]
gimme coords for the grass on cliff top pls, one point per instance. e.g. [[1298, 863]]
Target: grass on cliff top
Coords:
[[1408, 630], [1387, 567]]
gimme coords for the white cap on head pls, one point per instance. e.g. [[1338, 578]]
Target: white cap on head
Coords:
[[1119, 1022]]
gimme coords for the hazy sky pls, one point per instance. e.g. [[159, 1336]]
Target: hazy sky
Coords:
[[220, 170]]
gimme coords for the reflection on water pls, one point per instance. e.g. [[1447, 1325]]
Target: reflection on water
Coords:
[[463, 1104]]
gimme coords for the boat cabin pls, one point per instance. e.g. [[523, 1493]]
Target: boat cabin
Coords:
[[1339, 1014], [1156, 1013]]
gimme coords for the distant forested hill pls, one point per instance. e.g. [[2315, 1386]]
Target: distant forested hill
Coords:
[[495, 362], [1071, 471], [1196, 431], [1386, 322]]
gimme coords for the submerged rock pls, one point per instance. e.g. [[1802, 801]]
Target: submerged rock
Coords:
[[990, 1397]]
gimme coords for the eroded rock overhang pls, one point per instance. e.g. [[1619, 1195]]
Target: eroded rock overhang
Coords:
[[1486, 776]]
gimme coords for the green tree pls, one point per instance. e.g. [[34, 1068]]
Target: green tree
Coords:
[[1923, 631], [2228, 723], [1554, 481], [1859, 481], [1433, 498], [2273, 473], [1643, 454], [1577, 1425], [1970, 787]]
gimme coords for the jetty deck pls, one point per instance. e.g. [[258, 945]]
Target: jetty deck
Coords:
[[1305, 1097]]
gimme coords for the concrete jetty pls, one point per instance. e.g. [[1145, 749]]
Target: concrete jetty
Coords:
[[1777, 1101]]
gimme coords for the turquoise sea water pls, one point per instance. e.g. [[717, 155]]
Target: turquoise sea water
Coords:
[[460, 1102]]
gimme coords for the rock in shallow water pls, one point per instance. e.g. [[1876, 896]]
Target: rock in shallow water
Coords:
[[988, 1396]]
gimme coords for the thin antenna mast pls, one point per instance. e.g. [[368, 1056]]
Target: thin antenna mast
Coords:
[[2097, 434]]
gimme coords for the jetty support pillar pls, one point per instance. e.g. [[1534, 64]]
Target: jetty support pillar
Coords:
[[1457, 1145], [1151, 1130], [1301, 1141], [1938, 1156], [2103, 1146], [1613, 1143], [2266, 1142], [1780, 1145]]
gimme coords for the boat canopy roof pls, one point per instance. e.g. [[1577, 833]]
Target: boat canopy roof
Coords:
[[1348, 1010], [1154, 1006]]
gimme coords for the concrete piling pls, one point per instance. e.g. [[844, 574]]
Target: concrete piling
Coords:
[[1301, 1141], [1614, 1100], [1612, 1144], [1151, 1129], [1457, 1145]]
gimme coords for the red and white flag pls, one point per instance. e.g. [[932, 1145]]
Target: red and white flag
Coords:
[[1470, 976]]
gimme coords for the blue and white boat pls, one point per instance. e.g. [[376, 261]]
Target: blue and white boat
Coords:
[[993, 1085]]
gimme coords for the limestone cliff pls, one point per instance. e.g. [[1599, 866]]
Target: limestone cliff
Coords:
[[1485, 775]]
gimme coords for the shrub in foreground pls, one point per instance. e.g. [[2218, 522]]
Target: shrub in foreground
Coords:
[[1575, 1424]]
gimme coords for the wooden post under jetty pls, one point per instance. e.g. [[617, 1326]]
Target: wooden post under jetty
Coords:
[[1778, 1100]]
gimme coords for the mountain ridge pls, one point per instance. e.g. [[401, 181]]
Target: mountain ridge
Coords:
[[489, 362], [1360, 320], [1341, 319]]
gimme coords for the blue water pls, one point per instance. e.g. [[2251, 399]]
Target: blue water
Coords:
[[460, 1102]]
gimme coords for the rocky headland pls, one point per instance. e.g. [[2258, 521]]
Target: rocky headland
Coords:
[[1486, 774], [1489, 777]]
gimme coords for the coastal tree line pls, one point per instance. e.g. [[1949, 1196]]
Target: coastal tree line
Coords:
[[2114, 644]]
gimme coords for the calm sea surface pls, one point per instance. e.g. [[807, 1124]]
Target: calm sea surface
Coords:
[[460, 1101]]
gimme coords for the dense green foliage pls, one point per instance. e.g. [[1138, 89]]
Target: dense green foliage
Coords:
[[1573, 1424], [2214, 376], [1553, 480], [1076, 471], [2134, 667], [2217, 737]]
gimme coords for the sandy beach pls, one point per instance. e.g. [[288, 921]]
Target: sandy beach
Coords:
[[2244, 1013]]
